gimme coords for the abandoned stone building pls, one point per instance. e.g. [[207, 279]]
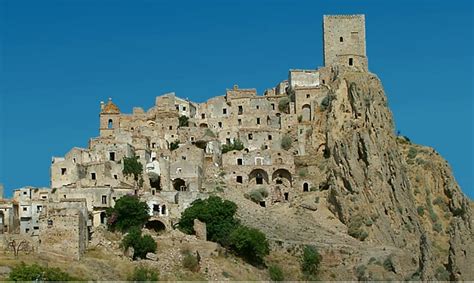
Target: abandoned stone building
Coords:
[[183, 157]]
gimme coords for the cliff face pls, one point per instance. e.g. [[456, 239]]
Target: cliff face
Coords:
[[404, 191]]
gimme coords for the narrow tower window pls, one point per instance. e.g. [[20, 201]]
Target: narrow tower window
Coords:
[[110, 124], [341, 39], [351, 61]]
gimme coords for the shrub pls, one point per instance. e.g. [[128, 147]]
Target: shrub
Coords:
[[326, 102], [190, 262], [140, 244], [412, 152], [355, 228], [143, 274], [300, 118], [235, 145], [128, 212], [257, 195], [35, 272], [174, 145], [438, 227], [420, 210], [388, 264], [218, 215], [286, 142], [131, 166], [183, 121], [276, 274], [210, 133], [249, 243], [283, 104], [310, 262]]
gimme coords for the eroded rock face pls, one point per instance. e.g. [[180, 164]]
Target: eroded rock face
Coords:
[[374, 178]]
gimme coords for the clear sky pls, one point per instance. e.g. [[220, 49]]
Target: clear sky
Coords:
[[59, 59]]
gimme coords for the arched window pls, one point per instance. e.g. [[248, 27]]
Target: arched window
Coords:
[[341, 39], [110, 124]]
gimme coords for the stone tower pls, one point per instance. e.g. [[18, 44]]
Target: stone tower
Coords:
[[109, 118], [344, 41]]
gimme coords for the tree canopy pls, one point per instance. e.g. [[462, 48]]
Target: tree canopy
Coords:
[[128, 212]]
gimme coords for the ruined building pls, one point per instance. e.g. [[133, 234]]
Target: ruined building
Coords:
[[180, 145]]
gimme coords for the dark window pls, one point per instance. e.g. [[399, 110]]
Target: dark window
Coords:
[[63, 172], [110, 124], [183, 157], [239, 179], [115, 177], [104, 199], [259, 179], [25, 208], [239, 121], [50, 222], [184, 108], [241, 109], [153, 192], [351, 62], [177, 107], [224, 111], [258, 107], [307, 95], [258, 121], [250, 137], [305, 187], [171, 127], [153, 145], [203, 116], [273, 106], [269, 137], [286, 196], [220, 124], [93, 176], [239, 161], [341, 39], [112, 156], [227, 140]]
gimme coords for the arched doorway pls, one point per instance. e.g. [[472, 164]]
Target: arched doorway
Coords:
[[259, 175], [179, 185], [306, 112], [305, 187], [282, 176], [155, 225]]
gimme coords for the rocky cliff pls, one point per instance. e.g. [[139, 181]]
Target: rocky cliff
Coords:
[[385, 208]]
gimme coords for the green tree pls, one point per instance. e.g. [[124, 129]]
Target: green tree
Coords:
[[276, 274], [141, 244], [218, 215], [23, 272], [250, 243], [174, 145], [183, 121], [131, 166], [143, 274], [286, 142], [128, 212], [310, 262]]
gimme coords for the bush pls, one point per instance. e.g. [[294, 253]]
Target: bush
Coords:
[[35, 272], [140, 244], [210, 133], [258, 195], [190, 262], [131, 166], [310, 262], [128, 212], [174, 145], [286, 142], [438, 227], [412, 152], [355, 228], [283, 104], [218, 215], [420, 210], [249, 243], [143, 274], [388, 264], [183, 121], [442, 274], [326, 102], [236, 145], [300, 118], [276, 274]]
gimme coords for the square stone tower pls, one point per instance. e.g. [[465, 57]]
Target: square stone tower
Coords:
[[344, 41]]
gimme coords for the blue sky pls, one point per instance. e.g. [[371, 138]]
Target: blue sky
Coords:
[[59, 59]]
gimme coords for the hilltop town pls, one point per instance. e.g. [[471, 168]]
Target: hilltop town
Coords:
[[323, 134]]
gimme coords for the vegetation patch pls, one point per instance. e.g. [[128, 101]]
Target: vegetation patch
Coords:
[[190, 261], [131, 166], [174, 145], [183, 121], [355, 228], [412, 152], [144, 274], [310, 263], [249, 243], [235, 145], [38, 273], [258, 195], [283, 104], [275, 272], [141, 244], [286, 142], [127, 213]]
